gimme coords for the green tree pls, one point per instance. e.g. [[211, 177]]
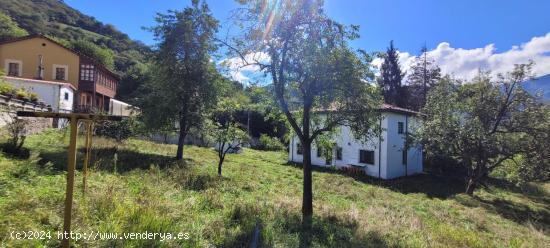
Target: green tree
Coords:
[[312, 69], [102, 55], [136, 75], [184, 84], [483, 124], [229, 137], [227, 134], [424, 74], [391, 77], [9, 28]]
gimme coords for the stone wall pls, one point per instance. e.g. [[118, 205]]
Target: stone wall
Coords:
[[9, 106]]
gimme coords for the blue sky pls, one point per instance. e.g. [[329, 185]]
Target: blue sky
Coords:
[[461, 28]]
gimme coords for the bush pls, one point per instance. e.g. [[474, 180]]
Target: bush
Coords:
[[17, 131], [6, 88], [118, 130], [21, 94], [270, 143], [33, 96]]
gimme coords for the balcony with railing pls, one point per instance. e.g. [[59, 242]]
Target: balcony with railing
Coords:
[[89, 109]]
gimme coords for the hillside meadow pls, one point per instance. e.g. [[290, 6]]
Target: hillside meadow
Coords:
[[143, 189]]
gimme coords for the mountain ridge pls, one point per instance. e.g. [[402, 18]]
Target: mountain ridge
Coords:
[[539, 85]]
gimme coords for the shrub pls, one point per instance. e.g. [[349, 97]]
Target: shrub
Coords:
[[118, 130], [21, 94], [17, 131], [270, 143], [6, 88], [33, 96]]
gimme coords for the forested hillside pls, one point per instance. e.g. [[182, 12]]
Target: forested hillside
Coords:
[[58, 20], [540, 85]]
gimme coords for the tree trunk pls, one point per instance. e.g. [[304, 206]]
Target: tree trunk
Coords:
[[475, 178], [181, 139], [220, 166], [472, 184], [307, 198]]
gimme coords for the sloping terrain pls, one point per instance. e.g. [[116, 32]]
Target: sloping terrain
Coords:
[[145, 190]]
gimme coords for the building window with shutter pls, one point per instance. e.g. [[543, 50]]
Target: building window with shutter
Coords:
[[366, 157], [60, 73], [338, 153], [66, 96], [400, 128], [14, 69]]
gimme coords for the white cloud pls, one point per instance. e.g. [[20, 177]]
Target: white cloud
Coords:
[[465, 63], [239, 71], [459, 62], [405, 61]]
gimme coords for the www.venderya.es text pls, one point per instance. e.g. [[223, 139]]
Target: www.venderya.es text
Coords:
[[95, 235]]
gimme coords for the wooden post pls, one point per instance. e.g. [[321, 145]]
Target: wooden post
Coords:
[[70, 183], [73, 118], [88, 145]]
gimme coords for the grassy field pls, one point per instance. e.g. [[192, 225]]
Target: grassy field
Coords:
[[148, 191]]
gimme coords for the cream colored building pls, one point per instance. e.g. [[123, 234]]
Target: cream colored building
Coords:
[[36, 57], [22, 58]]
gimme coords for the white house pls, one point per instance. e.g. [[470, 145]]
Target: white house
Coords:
[[383, 157], [58, 95]]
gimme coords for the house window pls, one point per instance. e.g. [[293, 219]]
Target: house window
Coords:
[[319, 152], [60, 73], [13, 69], [400, 127], [87, 72], [404, 156], [66, 96], [338, 153], [299, 148], [366, 157]]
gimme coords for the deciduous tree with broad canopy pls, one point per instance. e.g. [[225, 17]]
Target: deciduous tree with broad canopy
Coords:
[[184, 84], [312, 68], [485, 123], [225, 131]]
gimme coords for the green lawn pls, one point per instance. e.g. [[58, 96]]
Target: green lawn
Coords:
[[148, 191]]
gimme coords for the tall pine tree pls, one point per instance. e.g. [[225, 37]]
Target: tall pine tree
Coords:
[[391, 77], [424, 74]]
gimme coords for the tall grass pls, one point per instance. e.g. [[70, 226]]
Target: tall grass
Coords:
[[149, 191]]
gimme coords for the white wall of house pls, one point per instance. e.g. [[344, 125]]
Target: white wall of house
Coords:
[[58, 95], [388, 149], [66, 99], [395, 166], [120, 108]]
